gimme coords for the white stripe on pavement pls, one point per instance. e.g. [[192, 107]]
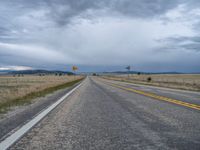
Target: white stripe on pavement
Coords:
[[5, 144]]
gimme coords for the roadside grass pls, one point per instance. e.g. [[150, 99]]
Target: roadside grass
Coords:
[[183, 81], [26, 99]]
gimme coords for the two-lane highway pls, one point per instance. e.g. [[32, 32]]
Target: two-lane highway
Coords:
[[99, 115]]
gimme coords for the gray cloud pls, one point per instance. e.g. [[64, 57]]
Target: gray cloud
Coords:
[[61, 11], [20, 15], [182, 43], [99, 32]]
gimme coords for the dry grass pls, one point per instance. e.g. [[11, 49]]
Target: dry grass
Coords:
[[19, 88], [178, 81]]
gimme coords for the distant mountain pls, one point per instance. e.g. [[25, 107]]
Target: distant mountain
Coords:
[[40, 72], [4, 71], [136, 72]]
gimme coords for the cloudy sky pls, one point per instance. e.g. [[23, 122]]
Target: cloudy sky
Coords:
[[100, 35]]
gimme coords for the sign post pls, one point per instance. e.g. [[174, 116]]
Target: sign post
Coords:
[[128, 68], [74, 68]]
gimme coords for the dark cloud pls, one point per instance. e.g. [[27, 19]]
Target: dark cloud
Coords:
[[45, 32], [16, 15], [144, 8], [3, 31], [62, 11], [182, 43]]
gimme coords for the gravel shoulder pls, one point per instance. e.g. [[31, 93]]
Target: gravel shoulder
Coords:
[[19, 115]]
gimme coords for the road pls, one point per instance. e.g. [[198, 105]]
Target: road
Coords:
[[99, 115], [20, 116]]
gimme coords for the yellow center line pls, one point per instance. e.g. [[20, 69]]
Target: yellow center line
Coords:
[[158, 97]]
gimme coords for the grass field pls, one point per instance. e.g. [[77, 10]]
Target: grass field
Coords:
[[177, 81], [20, 90]]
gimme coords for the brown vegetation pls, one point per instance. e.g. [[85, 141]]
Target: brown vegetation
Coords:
[[20, 90], [178, 81]]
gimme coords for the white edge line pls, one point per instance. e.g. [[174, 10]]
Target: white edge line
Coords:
[[5, 144]]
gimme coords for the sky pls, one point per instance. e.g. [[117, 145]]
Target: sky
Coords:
[[100, 35]]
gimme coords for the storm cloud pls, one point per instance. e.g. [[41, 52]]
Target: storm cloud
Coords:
[[153, 35]]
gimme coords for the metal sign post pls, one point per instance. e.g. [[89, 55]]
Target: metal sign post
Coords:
[[74, 68], [128, 68]]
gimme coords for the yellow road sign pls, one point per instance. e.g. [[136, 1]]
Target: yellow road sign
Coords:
[[74, 68]]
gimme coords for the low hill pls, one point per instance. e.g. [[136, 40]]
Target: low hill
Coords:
[[136, 72], [32, 72]]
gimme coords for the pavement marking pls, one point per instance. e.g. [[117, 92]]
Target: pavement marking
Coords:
[[158, 97], [10, 140], [152, 86]]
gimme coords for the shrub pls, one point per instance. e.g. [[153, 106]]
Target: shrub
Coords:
[[149, 79]]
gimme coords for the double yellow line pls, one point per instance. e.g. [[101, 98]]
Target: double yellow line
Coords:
[[158, 97]]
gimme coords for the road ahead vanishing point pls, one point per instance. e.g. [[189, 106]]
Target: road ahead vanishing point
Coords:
[[104, 114]]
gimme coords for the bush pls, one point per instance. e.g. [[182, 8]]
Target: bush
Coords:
[[149, 79]]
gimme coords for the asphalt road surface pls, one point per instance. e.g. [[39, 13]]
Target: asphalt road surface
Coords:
[[101, 116]]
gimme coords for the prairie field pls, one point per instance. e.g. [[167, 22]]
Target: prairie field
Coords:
[[12, 88], [178, 81]]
